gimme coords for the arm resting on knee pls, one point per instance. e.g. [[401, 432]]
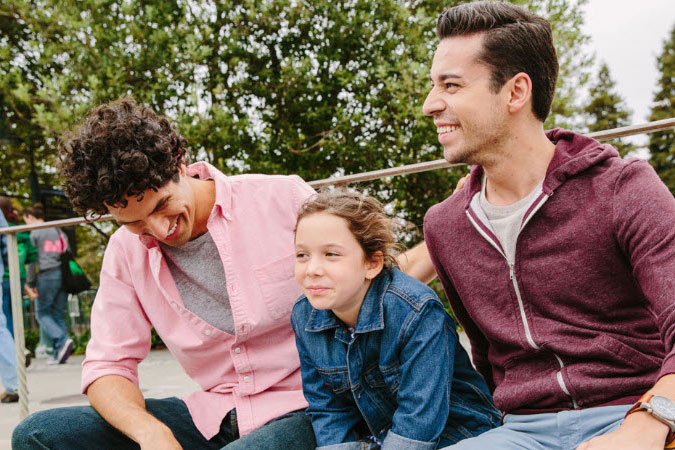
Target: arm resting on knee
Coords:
[[122, 405]]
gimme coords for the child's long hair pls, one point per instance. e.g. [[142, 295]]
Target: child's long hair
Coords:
[[365, 217]]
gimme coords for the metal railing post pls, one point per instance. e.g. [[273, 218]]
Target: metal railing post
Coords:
[[17, 316]]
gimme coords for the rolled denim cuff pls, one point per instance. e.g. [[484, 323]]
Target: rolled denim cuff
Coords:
[[394, 441], [345, 446]]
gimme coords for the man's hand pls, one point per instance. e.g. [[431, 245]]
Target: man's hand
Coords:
[[159, 438], [638, 430], [462, 181], [122, 405]]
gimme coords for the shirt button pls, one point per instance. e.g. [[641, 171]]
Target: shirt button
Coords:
[[174, 304], [237, 350], [247, 378], [207, 332]]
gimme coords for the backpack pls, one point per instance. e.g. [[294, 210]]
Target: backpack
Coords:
[[73, 279]]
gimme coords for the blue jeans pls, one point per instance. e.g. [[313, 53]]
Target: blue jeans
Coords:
[[563, 430], [7, 305], [7, 356], [50, 307], [81, 427]]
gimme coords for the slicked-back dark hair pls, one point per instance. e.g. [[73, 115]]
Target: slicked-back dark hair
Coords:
[[120, 149], [514, 40]]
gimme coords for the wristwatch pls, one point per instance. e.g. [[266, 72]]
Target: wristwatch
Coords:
[[662, 409]]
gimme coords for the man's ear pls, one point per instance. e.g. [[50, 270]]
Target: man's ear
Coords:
[[182, 169], [374, 265], [519, 92]]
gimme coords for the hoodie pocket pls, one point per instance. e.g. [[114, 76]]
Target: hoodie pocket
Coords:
[[607, 368], [277, 284]]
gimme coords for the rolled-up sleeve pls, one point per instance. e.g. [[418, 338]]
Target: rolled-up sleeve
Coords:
[[394, 441], [120, 330]]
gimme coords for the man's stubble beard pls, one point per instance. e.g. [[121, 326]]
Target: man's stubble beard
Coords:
[[482, 152], [486, 147]]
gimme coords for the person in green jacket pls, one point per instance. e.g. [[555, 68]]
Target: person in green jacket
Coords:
[[27, 254]]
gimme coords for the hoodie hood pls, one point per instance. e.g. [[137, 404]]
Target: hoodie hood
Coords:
[[574, 153]]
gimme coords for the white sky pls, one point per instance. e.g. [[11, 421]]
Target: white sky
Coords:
[[628, 36]]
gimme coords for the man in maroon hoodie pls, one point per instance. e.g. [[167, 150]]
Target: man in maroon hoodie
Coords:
[[558, 257]]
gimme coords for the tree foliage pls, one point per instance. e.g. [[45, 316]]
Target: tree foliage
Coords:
[[662, 144], [316, 88], [606, 109]]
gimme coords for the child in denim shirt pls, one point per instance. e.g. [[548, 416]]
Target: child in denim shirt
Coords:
[[381, 360]]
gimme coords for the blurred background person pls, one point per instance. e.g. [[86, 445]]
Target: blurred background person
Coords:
[[27, 255], [7, 351], [50, 305]]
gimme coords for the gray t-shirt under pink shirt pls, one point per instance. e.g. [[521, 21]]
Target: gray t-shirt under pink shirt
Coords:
[[200, 278]]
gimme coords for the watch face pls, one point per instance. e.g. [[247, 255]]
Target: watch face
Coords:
[[663, 407]]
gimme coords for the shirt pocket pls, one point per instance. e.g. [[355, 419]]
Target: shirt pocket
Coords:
[[335, 377], [277, 284], [383, 378]]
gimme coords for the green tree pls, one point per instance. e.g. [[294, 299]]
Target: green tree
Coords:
[[662, 144], [606, 109], [316, 88]]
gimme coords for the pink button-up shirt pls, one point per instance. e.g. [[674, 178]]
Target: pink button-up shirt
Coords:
[[256, 371]]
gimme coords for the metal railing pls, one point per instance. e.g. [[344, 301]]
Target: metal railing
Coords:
[[15, 284]]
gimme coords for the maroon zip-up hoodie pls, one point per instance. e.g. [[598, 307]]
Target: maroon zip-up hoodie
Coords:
[[586, 315]]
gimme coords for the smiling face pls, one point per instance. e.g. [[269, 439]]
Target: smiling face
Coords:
[[169, 214], [331, 267], [470, 118]]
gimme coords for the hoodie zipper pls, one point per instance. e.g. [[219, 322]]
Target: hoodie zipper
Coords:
[[512, 276]]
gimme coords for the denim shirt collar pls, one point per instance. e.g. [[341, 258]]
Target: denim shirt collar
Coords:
[[371, 316]]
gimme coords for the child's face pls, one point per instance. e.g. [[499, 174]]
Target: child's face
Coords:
[[331, 267]]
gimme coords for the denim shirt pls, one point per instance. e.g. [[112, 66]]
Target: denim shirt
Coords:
[[399, 378]]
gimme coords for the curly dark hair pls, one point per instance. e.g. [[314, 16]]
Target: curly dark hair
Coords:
[[120, 149]]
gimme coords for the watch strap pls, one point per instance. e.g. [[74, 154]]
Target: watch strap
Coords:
[[670, 439]]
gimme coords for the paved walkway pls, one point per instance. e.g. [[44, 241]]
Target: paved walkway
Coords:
[[56, 386]]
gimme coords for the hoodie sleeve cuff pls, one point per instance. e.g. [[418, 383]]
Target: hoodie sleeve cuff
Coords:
[[668, 365]]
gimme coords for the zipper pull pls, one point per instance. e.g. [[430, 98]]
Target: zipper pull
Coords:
[[511, 271]]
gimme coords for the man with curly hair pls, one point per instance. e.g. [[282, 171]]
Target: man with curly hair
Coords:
[[204, 259]]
